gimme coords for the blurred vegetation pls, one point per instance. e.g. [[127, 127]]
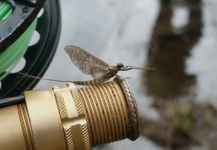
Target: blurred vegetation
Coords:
[[181, 124]]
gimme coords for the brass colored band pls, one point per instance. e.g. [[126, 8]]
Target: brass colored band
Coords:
[[45, 120], [26, 126], [73, 117]]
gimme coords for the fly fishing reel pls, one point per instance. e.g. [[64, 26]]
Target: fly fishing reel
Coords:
[[21, 21]]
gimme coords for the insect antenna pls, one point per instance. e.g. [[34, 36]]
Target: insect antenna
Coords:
[[40, 78], [139, 68]]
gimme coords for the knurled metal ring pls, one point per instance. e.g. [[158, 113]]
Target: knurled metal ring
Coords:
[[133, 126]]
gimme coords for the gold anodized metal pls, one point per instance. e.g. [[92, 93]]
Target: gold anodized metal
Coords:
[[11, 132], [111, 112], [66, 118], [73, 117], [45, 120]]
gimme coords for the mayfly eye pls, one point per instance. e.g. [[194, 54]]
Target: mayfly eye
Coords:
[[120, 65]]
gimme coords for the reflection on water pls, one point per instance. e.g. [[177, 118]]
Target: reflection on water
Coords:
[[169, 48], [169, 85]]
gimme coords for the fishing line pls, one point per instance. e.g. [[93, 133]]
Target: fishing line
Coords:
[[140, 68]]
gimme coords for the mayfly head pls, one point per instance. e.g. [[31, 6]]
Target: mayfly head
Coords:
[[120, 66]]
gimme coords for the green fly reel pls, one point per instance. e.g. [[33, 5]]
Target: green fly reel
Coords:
[[20, 21], [10, 56]]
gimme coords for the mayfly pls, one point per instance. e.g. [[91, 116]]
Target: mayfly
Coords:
[[91, 65]]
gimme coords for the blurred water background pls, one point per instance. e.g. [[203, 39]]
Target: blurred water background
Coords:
[[178, 38]]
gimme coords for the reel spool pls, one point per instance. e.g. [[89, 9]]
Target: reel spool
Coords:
[[36, 57]]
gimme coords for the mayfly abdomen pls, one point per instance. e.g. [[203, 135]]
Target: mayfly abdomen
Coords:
[[95, 81], [89, 82]]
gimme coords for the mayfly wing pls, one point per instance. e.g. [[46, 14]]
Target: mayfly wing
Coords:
[[86, 62]]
